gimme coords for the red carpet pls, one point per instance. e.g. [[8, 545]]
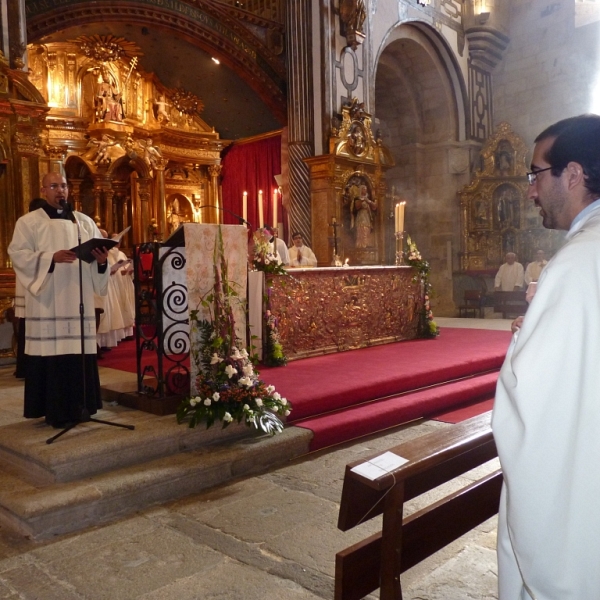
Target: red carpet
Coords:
[[347, 395], [465, 412]]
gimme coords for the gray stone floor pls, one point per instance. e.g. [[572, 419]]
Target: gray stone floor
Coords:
[[268, 537]]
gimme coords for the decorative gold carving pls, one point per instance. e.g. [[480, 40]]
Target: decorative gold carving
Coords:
[[28, 144], [328, 310], [186, 102], [107, 48], [214, 170], [496, 215], [355, 139], [190, 152]]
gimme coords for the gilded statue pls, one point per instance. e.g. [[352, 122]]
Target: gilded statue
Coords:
[[362, 210]]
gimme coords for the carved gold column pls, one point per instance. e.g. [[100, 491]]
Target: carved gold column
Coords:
[[300, 114], [97, 202], [141, 226], [75, 193], [214, 172], [161, 204]]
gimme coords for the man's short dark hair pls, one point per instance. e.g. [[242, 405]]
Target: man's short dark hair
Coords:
[[577, 140], [296, 234]]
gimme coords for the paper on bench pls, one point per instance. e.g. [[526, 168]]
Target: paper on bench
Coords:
[[380, 465]]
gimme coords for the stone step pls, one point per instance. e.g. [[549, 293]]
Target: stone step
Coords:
[[41, 510], [92, 448]]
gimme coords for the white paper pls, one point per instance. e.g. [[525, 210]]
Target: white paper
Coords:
[[380, 465]]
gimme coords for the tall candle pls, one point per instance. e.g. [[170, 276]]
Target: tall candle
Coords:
[[401, 216], [245, 206], [396, 217], [261, 217], [275, 198]]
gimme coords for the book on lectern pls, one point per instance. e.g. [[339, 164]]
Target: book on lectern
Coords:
[[84, 251]]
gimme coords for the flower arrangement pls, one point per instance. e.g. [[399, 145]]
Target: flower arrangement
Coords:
[[265, 256], [228, 387], [428, 326], [274, 354]]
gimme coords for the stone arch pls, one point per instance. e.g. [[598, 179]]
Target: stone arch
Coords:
[[421, 108]]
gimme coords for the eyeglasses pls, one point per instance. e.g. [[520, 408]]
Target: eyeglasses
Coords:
[[56, 186], [531, 177]]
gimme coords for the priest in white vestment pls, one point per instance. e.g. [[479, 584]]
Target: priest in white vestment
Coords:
[[535, 267], [281, 248], [301, 255], [49, 273], [510, 275], [546, 419]]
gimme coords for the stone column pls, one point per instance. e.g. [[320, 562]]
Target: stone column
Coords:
[[75, 193], [214, 171], [300, 113], [161, 204], [14, 32]]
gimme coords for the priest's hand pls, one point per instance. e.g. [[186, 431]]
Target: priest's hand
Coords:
[[101, 255], [516, 324], [64, 256]]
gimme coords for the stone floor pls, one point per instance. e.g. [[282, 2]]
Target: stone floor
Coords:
[[271, 536]]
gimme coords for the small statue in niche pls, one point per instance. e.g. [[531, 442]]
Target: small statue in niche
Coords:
[[102, 151], [480, 212], [362, 209], [507, 200], [109, 101]]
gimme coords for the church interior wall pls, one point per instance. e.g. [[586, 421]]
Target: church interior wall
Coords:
[[551, 69]]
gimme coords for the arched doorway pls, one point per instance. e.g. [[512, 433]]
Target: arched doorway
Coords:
[[419, 103]]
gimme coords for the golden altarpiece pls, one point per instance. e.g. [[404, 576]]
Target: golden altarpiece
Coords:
[[348, 189], [134, 152], [496, 215]]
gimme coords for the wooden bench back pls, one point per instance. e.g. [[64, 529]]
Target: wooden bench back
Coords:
[[433, 459]]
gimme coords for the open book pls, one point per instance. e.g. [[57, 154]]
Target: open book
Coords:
[[84, 251]]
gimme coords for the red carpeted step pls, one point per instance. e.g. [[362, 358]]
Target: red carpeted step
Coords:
[[357, 421], [325, 383]]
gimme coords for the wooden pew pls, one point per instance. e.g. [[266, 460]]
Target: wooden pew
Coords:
[[435, 458]]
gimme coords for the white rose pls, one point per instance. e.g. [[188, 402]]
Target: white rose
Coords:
[[259, 402], [284, 401], [227, 417], [287, 413], [270, 389], [207, 402], [276, 395], [246, 407], [216, 396]]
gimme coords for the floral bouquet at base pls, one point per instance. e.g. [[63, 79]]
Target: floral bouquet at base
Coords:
[[227, 388], [427, 325], [265, 255]]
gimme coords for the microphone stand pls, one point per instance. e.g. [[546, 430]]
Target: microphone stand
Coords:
[[85, 413]]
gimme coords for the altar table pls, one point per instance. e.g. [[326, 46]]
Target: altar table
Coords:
[[332, 309]]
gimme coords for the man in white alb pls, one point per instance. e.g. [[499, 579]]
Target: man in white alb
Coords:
[[281, 248], [546, 419], [534, 268], [301, 255], [49, 273], [510, 275]]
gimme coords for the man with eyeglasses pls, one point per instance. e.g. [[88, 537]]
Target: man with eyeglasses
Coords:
[[49, 273], [546, 418]]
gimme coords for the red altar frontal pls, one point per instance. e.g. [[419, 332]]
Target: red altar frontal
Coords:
[[326, 310]]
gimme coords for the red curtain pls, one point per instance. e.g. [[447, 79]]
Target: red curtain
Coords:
[[250, 167]]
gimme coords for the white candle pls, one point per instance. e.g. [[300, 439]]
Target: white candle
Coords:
[[275, 198], [261, 217], [401, 217], [245, 206], [396, 217]]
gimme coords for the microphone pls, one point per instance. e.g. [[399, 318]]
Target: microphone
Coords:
[[221, 208], [67, 210]]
